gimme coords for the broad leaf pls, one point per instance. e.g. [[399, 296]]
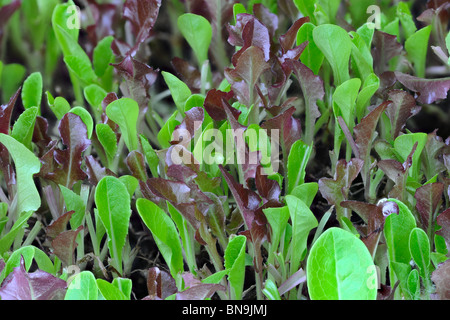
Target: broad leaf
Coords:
[[235, 263], [198, 33], [125, 113], [164, 233], [337, 268], [114, 211], [26, 163], [336, 45], [82, 287]]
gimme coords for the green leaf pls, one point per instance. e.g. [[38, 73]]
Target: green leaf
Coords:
[[303, 221], [235, 263], [124, 285], [406, 19], [336, 45], [297, 161], [103, 55], [150, 156], [12, 77], [312, 57], [339, 268], [404, 144], [107, 139], [114, 211], [397, 229], [306, 192], [402, 271], [130, 182], [7, 240], [94, 95], [271, 291], [164, 232], [82, 287], [27, 164], [344, 101], [278, 219], [86, 118], [419, 246], [370, 86], [32, 91], [24, 127], [109, 291], [165, 134], [416, 47], [179, 90], [59, 105], [414, 284], [81, 67], [125, 113], [198, 33], [73, 202]]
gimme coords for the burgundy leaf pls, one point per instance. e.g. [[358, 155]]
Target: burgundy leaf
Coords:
[[5, 113], [372, 214], [268, 189], [247, 200], [402, 108], [105, 16], [397, 172], [58, 226], [174, 191], [39, 285], [444, 221], [385, 47], [136, 163], [187, 73], [267, 18], [199, 292], [142, 15], [214, 104], [288, 39], [6, 12], [95, 171], [248, 32], [65, 244], [336, 190], [65, 167], [428, 90], [312, 89], [288, 127], [40, 136], [365, 131], [248, 69], [428, 200], [441, 279], [160, 284]]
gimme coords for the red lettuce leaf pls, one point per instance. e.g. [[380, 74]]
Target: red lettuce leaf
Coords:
[[428, 90], [39, 285], [428, 200], [402, 108]]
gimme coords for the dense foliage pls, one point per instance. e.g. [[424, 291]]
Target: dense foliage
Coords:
[[216, 149]]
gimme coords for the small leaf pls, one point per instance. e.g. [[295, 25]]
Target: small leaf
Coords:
[[165, 234], [82, 287], [27, 164], [179, 90], [32, 91], [336, 45], [108, 140], [86, 118], [125, 113], [338, 268], [103, 55], [297, 162], [417, 47], [303, 221], [419, 246], [198, 33], [312, 57], [24, 127], [114, 210], [109, 291], [235, 263]]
